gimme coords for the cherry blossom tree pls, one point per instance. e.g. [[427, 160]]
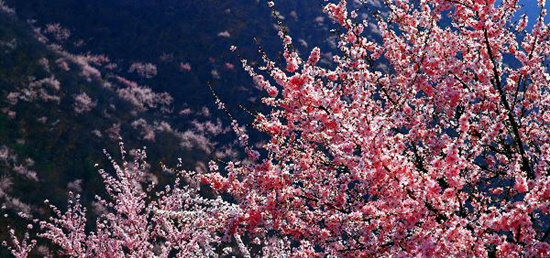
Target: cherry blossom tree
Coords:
[[432, 141], [136, 220], [145, 70], [83, 103]]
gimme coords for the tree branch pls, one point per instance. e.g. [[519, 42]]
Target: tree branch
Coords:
[[525, 166]]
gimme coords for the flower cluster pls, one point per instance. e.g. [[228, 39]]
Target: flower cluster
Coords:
[[145, 70], [137, 221], [83, 103]]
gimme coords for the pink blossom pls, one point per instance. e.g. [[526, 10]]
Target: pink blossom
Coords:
[[521, 185], [59, 33], [147, 131], [185, 67], [224, 34], [145, 70], [6, 9], [143, 98], [62, 64], [229, 66], [83, 103]]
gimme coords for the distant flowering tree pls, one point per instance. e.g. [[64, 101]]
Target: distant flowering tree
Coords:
[[83, 103], [432, 141], [57, 31], [145, 70], [5, 9]]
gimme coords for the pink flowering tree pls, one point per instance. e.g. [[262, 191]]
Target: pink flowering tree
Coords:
[[145, 70], [135, 220], [426, 142]]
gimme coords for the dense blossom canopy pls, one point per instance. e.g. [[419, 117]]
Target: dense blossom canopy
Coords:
[[431, 140]]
